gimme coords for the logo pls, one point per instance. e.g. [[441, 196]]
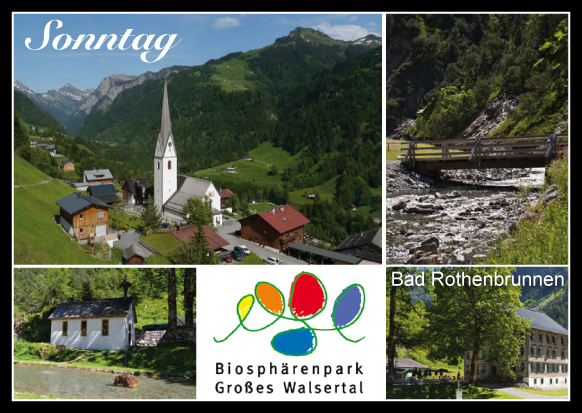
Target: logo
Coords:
[[307, 301]]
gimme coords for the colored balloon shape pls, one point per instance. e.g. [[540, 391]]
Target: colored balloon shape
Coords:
[[348, 305], [270, 298], [298, 342], [307, 296], [244, 306]]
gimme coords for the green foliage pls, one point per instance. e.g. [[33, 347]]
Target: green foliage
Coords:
[[198, 211], [542, 239], [451, 66], [151, 217]]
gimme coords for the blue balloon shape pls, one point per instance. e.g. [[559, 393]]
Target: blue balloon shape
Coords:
[[298, 342], [348, 306]]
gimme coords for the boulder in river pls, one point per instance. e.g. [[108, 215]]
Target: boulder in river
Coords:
[[125, 380]]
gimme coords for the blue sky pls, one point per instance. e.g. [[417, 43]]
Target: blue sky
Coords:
[[199, 37]]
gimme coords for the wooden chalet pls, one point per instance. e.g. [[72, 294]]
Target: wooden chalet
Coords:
[[68, 165], [276, 228], [366, 245], [136, 190], [83, 216], [225, 195]]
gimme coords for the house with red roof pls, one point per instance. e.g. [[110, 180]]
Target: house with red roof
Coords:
[[275, 228], [225, 195], [215, 241]]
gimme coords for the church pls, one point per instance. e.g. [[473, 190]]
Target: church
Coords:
[[172, 191]]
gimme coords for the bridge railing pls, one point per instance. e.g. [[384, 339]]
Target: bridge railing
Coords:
[[538, 146]]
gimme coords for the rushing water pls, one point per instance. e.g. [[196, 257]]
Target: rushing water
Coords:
[[465, 215], [83, 384]]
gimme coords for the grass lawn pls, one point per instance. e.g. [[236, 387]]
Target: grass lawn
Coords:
[[444, 391], [264, 157], [37, 238], [553, 393], [252, 259], [165, 244]]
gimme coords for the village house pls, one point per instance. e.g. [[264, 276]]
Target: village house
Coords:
[[225, 196], [366, 245], [276, 228], [543, 361], [68, 165], [136, 190], [83, 216], [95, 176], [215, 241], [48, 147], [104, 192], [104, 324]]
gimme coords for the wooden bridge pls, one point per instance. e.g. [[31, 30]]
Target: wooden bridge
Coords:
[[512, 152]]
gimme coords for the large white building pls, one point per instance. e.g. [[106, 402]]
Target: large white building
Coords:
[[543, 361], [172, 191]]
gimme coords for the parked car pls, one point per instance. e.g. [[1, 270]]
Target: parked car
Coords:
[[271, 260], [237, 255], [243, 248], [226, 259]]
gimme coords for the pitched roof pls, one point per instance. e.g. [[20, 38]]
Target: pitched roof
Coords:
[[406, 363], [131, 183], [541, 321], [135, 250], [101, 189], [105, 307], [372, 236], [284, 218], [225, 193], [215, 241], [188, 187], [77, 201], [98, 174]]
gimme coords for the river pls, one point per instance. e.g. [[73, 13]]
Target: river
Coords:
[[84, 384], [454, 220]]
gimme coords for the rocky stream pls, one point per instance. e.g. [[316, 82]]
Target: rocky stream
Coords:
[[454, 220]]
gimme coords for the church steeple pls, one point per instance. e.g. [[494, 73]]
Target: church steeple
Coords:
[[165, 157], [165, 125]]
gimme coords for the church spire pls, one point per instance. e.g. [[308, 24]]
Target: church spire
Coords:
[[166, 126]]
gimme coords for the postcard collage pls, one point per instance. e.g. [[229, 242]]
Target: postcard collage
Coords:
[[299, 206]]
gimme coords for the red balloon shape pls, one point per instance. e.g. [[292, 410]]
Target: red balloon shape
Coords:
[[307, 296]]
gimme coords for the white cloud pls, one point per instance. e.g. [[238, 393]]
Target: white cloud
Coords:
[[226, 22], [343, 32]]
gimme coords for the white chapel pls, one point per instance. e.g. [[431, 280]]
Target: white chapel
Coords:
[[172, 191]]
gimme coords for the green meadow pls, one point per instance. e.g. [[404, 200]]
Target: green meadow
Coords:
[[37, 237]]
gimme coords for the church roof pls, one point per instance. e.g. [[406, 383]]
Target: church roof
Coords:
[[165, 124], [188, 187]]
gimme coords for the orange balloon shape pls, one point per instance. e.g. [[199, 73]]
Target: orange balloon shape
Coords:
[[269, 297]]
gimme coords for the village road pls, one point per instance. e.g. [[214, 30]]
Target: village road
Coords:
[[228, 232], [524, 394]]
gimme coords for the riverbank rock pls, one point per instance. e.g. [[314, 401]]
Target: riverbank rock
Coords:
[[125, 380]]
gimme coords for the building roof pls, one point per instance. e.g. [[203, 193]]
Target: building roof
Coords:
[[77, 202], [541, 321], [215, 241], [188, 187], [371, 237], [97, 174], [225, 193], [106, 307], [406, 363], [322, 252], [100, 189], [135, 250], [165, 124], [284, 218], [131, 183]]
